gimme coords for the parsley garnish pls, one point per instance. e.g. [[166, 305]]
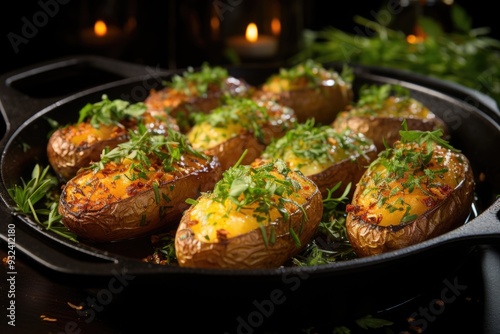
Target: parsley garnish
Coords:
[[243, 111], [246, 186], [110, 111], [314, 143], [145, 148]]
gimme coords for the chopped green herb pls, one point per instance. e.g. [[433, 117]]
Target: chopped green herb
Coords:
[[109, 111]]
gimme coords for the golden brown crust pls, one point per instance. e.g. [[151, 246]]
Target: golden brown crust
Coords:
[[107, 219]]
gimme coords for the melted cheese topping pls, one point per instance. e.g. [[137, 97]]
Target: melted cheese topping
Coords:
[[204, 136], [86, 134]]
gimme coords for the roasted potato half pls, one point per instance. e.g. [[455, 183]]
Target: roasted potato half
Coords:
[[240, 125], [136, 188], [324, 155], [419, 189], [101, 125], [310, 89], [380, 110], [196, 90], [255, 218]]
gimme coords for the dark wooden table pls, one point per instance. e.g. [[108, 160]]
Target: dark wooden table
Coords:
[[47, 303]]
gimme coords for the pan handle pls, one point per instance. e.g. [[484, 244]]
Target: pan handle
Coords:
[[28, 90], [490, 264]]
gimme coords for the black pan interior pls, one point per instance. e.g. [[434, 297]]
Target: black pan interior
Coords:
[[474, 129]]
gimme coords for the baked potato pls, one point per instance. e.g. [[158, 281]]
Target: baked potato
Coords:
[[254, 218], [310, 89], [239, 125], [136, 188], [323, 155], [380, 110], [101, 125], [417, 190], [196, 90]]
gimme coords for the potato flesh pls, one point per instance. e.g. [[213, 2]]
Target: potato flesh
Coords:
[[398, 107], [419, 200], [85, 133], [212, 217], [311, 167], [204, 136]]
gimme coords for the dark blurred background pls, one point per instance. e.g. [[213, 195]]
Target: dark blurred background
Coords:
[[174, 33]]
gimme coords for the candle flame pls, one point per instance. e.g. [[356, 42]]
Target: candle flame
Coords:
[[252, 34], [100, 28], [276, 26]]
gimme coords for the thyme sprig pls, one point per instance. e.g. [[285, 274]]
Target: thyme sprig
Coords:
[[37, 198], [109, 112]]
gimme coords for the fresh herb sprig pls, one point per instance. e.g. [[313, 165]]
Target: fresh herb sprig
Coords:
[[36, 198], [109, 112], [465, 56]]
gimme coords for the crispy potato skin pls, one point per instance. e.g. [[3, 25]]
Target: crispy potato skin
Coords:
[[107, 218], [67, 154], [369, 239], [322, 103], [248, 251]]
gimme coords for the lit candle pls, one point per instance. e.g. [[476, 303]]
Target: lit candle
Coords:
[[101, 34], [253, 45]]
